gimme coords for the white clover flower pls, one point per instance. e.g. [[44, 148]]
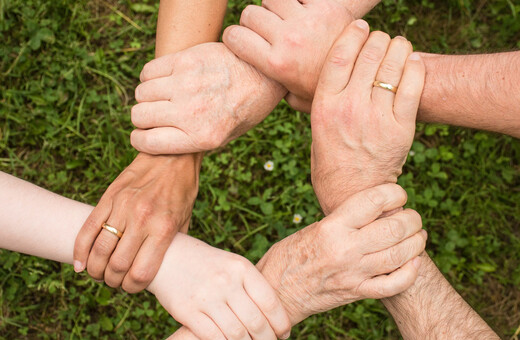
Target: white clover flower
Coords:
[[411, 153], [297, 218], [269, 166]]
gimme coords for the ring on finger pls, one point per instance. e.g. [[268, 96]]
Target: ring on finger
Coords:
[[112, 230], [385, 86]]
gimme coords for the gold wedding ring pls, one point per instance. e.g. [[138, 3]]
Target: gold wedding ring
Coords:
[[385, 86], [112, 230]]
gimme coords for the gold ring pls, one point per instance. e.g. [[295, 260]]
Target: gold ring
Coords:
[[385, 86], [112, 230]]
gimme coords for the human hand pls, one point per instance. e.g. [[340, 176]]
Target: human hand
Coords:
[[362, 133], [217, 294], [288, 41], [149, 202], [199, 99]]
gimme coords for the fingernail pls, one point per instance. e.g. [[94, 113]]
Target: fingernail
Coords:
[[98, 281], [78, 266], [424, 234], [417, 262], [415, 56], [362, 24], [286, 335]]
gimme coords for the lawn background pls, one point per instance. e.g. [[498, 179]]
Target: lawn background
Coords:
[[67, 74]]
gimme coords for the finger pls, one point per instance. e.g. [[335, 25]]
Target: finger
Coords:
[[154, 90], [298, 103], [203, 327], [265, 298], [123, 256], [158, 68], [89, 232], [389, 231], [163, 141], [147, 262], [263, 22], [251, 317], [249, 46], [366, 206], [397, 282], [284, 8], [149, 115], [388, 260], [391, 70], [409, 92], [104, 246], [368, 63], [228, 322], [342, 57]]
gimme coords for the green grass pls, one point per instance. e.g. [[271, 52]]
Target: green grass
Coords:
[[67, 74]]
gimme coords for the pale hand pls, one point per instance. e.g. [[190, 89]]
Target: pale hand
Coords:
[[199, 99], [218, 294]]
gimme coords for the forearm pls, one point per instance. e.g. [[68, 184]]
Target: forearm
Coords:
[[184, 24], [37, 222], [475, 91], [432, 309]]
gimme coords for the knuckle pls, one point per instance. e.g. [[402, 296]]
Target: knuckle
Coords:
[[294, 39], [278, 63], [119, 264], [395, 257], [140, 276], [371, 55], [257, 324], [339, 56], [223, 279], [144, 209], [238, 332], [166, 230], [376, 198], [391, 67], [395, 229], [103, 247], [415, 219]]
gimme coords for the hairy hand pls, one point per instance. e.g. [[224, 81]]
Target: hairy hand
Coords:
[[349, 255], [218, 294], [361, 133], [149, 202], [288, 41], [199, 99]]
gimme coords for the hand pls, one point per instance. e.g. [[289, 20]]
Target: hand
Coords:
[[149, 202], [361, 133], [348, 256], [199, 99], [218, 294], [288, 41]]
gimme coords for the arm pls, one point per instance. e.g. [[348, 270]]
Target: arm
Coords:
[[472, 91], [152, 199], [210, 284], [475, 91], [430, 309]]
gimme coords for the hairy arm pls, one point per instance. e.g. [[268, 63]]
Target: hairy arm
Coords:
[[432, 309], [476, 91]]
